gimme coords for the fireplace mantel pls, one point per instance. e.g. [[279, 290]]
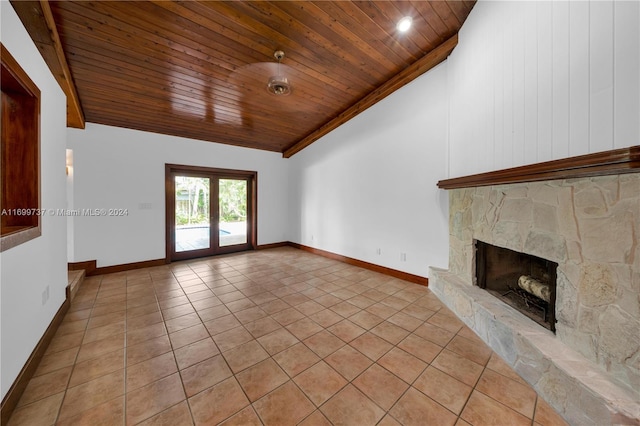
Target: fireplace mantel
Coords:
[[615, 162]]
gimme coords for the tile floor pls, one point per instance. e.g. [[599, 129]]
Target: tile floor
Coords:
[[272, 337]]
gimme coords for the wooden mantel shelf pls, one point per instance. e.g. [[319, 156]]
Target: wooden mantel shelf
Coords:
[[625, 160]]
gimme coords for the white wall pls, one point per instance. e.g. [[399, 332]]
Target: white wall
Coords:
[[122, 168], [26, 270], [371, 184], [537, 81]]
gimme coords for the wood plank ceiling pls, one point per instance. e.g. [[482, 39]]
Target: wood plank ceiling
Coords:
[[199, 69]]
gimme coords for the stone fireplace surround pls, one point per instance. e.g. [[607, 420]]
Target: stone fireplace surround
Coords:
[[590, 225]]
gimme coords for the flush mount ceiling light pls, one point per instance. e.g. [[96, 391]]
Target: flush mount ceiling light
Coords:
[[278, 84], [404, 24]]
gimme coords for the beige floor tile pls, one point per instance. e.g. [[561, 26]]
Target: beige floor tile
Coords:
[[366, 319], [261, 378], [315, 419], [287, 316], [222, 324], [323, 343], [205, 374], [214, 312], [483, 410], [185, 321], [382, 311], [54, 361], [177, 311], [371, 345], [545, 415], [402, 364], [498, 365], [148, 349], [414, 408], [245, 355], [43, 411], [277, 341], [232, 338], [352, 407], [191, 354], [250, 314], [405, 321], [140, 335], [390, 332], [346, 330], [381, 386], [320, 382], [65, 341], [296, 359], [188, 335], [262, 326], [178, 415], [348, 362], [286, 405], [477, 352], [515, 395], [218, 403], [461, 368], [153, 398], [91, 394], [274, 306], [108, 413], [245, 417], [444, 389], [304, 328], [434, 334], [446, 320], [96, 367], [420, 348], [45, 385], [326, 318], [149, 371]]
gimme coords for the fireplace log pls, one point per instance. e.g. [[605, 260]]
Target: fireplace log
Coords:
[[535, 287]]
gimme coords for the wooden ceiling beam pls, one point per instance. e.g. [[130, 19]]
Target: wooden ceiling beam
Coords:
[[37, 18], [404, 77]]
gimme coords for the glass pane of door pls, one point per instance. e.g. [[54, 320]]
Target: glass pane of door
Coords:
[[192, 229], [232, 201]]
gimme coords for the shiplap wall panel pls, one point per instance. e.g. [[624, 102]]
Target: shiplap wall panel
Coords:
[[537, 81], [545, 79], [560, 79], [627, 74], [518, 88], [578, 78], [601, 76], [530, 81]]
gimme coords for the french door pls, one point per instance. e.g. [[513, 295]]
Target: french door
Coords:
[[209, 211]]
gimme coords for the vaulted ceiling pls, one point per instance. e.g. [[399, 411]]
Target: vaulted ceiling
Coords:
[[199, 69]]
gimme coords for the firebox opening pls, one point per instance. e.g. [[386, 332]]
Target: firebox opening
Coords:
[[525, 282]]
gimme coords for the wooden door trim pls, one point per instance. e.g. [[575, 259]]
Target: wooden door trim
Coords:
[[252, 200]]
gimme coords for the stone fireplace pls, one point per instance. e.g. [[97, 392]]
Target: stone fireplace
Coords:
[[526, 283], [589, 370]]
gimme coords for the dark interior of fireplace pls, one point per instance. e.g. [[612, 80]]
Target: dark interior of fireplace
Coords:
[[525, 282]]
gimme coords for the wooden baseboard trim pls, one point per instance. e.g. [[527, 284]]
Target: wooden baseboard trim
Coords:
[[128, 266], [366, 265], [88, 265], [10, 400], [273, 245]]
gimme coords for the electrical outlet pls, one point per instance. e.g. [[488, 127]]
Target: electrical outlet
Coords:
[[378, 251], [45, 295], [403, 257]]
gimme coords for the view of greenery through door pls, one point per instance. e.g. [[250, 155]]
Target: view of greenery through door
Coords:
[[232, 202], [193, 208]]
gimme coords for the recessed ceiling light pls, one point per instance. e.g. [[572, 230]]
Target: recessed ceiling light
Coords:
[[404, 24]]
